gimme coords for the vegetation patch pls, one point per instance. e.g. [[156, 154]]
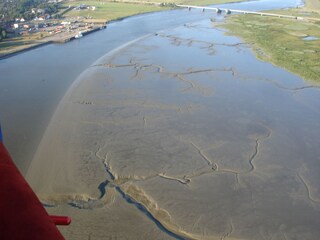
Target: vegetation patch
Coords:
[[116, 9], [11, 45], [110, 10], [281, 41], [204, 2]]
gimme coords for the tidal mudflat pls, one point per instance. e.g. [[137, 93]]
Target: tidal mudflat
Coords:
[[184, 134]]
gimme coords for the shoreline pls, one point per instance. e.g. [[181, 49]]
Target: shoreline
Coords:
[[41, 44], [105, 24], [12, 54], [306, 5], [68, 39]]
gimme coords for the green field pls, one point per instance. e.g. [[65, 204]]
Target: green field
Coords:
[[204, 2], [281, 41], [111, 10]]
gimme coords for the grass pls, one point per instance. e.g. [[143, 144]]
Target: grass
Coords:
[[205, 2], [281, 42], [112, 10], [11, 45]]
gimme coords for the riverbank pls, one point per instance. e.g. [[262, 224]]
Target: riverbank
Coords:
[[12, 46], [17, 46], [105, 12], [291, 44], [30, 45]]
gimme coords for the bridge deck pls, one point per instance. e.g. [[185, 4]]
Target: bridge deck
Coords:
[[247, 12]]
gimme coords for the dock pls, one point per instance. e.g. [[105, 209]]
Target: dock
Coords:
[[67, 37]]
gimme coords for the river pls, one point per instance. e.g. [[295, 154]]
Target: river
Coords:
[[183, 134], [33, 83], [179, 134]]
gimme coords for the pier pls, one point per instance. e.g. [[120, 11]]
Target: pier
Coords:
[[67, 37]]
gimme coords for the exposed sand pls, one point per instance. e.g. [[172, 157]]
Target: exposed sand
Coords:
[[150, 143]]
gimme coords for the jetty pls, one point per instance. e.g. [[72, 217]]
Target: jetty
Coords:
[[229, 11], [67, 37]]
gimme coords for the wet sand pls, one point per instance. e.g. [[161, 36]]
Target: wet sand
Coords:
[[183, 134]]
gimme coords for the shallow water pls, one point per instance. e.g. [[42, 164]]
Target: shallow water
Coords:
[[310, 38], [182, 134], [197, 133], [33, 83], [242, 133]]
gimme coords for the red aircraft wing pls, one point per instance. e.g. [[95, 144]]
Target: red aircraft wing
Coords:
[[22, 215]]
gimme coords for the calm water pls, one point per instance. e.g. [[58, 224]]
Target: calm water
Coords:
[[310, 38], [32, 83]]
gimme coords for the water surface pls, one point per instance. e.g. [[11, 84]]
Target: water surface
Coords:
[[310, 38], [33, 83]]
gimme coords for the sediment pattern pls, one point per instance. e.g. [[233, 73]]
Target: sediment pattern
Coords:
[[139, 68], [195, 149], [208, 45], [308, 188]]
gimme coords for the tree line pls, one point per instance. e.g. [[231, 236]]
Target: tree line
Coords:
[[12, 9]]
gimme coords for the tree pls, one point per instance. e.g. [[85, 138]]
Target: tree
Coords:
[[3, 33], [11, 9]]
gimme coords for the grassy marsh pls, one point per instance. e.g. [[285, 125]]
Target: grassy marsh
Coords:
[[281, 41]]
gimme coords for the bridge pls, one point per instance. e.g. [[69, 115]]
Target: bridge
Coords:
[[229, 11]]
